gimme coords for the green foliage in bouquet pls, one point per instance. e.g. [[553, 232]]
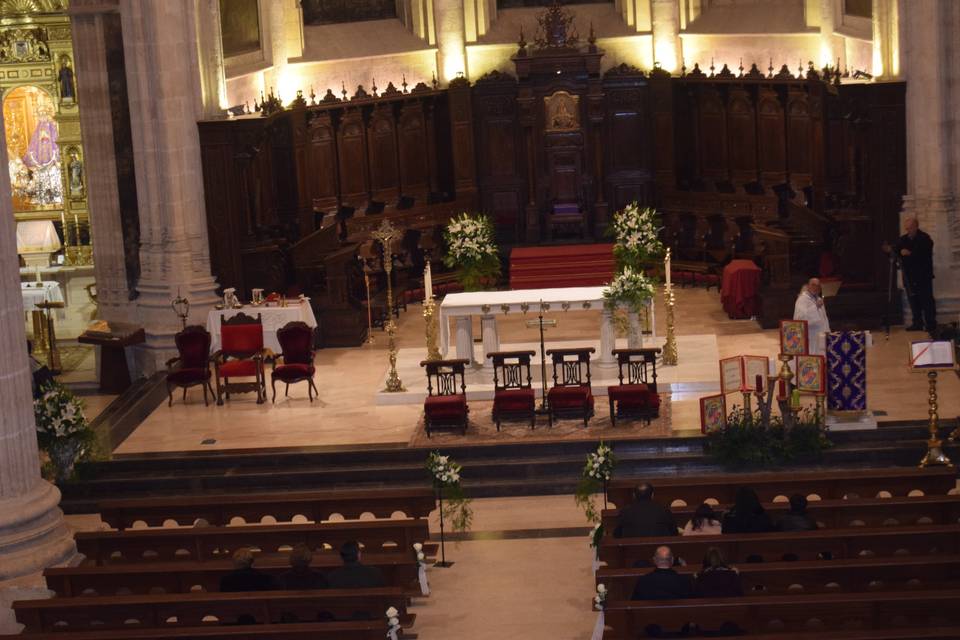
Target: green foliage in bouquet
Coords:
[[747, 442], [445, 474], [471, 248]]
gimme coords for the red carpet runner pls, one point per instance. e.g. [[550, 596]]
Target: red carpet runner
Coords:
[[573, 265]]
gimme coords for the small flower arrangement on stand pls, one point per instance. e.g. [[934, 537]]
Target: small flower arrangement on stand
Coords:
[[445, 474], [630, 288], [595, 477], [62, 430], [635, 234], [471, 248]]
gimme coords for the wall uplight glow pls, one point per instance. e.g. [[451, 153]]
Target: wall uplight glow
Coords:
[[665, 53]]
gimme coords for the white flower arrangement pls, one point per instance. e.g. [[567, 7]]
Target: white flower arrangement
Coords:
[[418, 550], [635, 233], [594, 478], [630, 287], [59, 414], [601, 597], [471, 247], [393, 622], [445, 472]]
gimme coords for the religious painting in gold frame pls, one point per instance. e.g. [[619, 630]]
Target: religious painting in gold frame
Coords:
[[561, 112]]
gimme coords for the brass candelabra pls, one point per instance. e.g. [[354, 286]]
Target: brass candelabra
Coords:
[[432, 325], [670, 346], [386, 234], [934, 454]]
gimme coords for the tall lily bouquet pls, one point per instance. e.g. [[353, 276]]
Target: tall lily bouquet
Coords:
[[62, 429], [596, 474], [635, 236], [471, 249], [630, 287], [445, 474]]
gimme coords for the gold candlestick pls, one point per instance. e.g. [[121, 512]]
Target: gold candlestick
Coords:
[[430, 319], [821, 411], [935, 454], [386, 234], [670, 346], [366, 282]]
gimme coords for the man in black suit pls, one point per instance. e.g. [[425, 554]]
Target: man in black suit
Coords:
[[915, 250], [353, 574], [244, 577], [644, 517], [663, 583]]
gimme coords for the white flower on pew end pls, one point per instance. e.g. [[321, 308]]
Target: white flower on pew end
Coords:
[[394, 622], [418, 547], [392, 613]]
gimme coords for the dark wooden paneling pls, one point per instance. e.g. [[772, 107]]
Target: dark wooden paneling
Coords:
[[322, 168], [771, 145], [414, 151], [382, 154], [712, 129], [352, 156], [741, 135], [799, 138]]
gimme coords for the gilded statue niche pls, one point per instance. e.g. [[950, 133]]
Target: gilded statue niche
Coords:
[[562, 111]]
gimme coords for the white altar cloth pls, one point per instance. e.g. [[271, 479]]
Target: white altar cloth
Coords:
[[33, 295], [488, 304], [273, 318]]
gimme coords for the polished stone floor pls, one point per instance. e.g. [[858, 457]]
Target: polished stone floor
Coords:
[[347, 412]]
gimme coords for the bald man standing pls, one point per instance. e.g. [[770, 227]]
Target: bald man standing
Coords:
[[809, 307], [915, 249]]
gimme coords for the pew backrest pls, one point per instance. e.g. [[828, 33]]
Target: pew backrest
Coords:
[[359, 630]]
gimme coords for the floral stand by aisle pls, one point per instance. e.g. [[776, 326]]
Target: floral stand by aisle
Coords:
[[445, 474], [636, 244], [62, 429], [472, 249]]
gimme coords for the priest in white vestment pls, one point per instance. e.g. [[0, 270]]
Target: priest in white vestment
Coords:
[[810, 307]]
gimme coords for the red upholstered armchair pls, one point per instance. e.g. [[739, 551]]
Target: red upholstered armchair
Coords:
[[636, 395], [296, 340], [513, 395], [240, 356], [571, 396], [193, 363], [445, 405]]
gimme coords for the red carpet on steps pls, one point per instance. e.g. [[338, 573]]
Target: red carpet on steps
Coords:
[[572, 265]]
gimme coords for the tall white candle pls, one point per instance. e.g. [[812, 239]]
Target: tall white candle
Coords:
[[668, 268], [427, 282]]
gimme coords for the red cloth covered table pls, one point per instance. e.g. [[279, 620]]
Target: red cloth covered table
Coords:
[[738, 293]]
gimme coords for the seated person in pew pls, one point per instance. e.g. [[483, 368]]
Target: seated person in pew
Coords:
[[747, 514], [644, 517], [663, 583], [300, 576], [705, 522], [797, 519], [353, 574], [716, 579], [244, 577]]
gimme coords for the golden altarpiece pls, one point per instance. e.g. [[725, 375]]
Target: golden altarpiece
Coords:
[[46, 162]]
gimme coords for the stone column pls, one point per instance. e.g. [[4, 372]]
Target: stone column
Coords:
[[828, 52], [213, 79], [451, 40], [163, 77], [33, 534], [886, 39], [931, 65], [665, 20], [96, 121]]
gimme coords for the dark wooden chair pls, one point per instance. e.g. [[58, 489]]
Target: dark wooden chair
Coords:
[[636, 395], [296, 340], [571, 396], [513, 394], [191, 367], [241, 355], [445, 405]]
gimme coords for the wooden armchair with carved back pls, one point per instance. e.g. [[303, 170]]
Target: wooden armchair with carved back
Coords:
[[513, 394], [636, 394], [446, 401], [571, 395]]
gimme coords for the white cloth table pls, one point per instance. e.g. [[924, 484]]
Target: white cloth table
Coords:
[[33, 295], [273, 318], [488, 304]]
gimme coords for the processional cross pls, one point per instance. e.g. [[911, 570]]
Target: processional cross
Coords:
[[541, 323], [386, 234]]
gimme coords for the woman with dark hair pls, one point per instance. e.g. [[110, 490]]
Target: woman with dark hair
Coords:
[[705, 522], [747, 514], [716, 579]]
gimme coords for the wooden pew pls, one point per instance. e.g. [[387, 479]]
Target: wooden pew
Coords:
[[399, 570], [360, 630], [832, 484], [783, 578], [875, 634], [219, 510], [197, 609], [212, 543], [836, 514], [807, 545], [784, 614]]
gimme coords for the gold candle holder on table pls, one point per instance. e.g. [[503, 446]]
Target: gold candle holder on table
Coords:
[[935, 454], [670, 346], [386, 234], [430, 319]]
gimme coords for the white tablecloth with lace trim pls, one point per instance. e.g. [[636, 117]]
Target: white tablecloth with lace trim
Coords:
[[272, 317]]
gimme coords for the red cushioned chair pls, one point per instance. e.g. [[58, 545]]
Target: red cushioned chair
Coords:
[[571, 396], [296, 340], [445, 406], [240, 356], [513, 395], [636, 395], [193, 363]]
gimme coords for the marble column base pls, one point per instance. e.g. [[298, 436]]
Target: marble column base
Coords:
[[491, 338], [463, 337], [608, 340], [33, 533]]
